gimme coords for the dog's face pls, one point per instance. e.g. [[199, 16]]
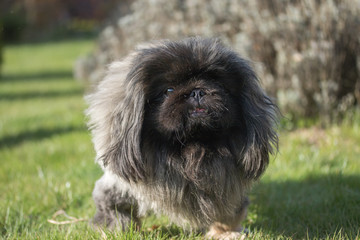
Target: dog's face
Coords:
[[191, 107], [191, 90], [195, 106]]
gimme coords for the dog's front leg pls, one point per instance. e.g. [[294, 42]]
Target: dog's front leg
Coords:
[[115, 207]]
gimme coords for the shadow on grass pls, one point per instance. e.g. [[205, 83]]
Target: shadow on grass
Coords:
[[40, 94], [167, 231], [170, 232], [318, 206], [36, 135], [45, 76], [59, 76]]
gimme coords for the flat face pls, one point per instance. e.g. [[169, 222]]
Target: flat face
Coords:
[[192, 86]]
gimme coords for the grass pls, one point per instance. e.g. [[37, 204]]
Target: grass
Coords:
[[310, 191]]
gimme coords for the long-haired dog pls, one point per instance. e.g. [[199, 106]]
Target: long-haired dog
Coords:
[[181, 128]]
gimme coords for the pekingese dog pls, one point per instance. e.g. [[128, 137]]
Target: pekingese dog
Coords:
[[181, 128]]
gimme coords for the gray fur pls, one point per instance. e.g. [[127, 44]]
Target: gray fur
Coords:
[[195, 186]]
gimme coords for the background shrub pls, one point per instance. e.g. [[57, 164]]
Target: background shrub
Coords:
[[307, 52]]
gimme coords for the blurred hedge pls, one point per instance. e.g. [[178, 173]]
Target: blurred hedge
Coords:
[[39, 20], [306, 52], [1, 45]]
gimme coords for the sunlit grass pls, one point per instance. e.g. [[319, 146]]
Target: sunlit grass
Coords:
[[310, 190], [46, 153]]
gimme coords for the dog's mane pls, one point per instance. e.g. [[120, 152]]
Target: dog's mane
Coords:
[[117, 108]]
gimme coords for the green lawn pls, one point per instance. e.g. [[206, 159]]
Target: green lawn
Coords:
[[311, 189]]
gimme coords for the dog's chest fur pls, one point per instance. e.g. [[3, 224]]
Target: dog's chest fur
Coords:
[[199, 185]]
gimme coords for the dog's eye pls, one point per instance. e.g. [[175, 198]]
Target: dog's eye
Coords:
[[169, 90]]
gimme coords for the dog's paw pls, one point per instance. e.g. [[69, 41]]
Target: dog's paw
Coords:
[[230, 235]]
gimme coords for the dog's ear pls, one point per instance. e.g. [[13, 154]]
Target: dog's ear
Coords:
[[260, 118], [115, 114]]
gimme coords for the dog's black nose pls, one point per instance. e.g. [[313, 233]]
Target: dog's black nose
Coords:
[[197, 94]]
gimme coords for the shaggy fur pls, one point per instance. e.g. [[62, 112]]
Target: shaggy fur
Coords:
[[181, 128]]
